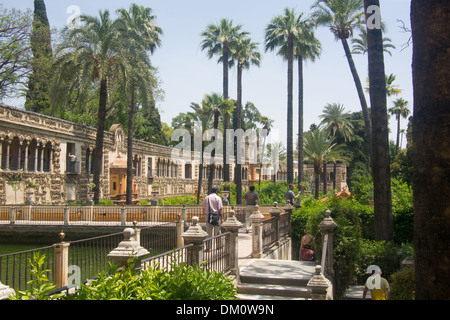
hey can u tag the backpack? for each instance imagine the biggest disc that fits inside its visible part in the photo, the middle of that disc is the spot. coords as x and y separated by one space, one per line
214 217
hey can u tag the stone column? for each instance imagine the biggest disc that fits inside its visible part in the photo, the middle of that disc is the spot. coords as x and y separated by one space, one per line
180 229
327 227
66 215
60 277
275 213
1 159
25 160
256 218
195 235
8 146
232 225
123 216
319 285
36 157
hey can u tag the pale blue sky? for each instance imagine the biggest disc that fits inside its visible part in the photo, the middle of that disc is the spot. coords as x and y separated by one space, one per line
187 74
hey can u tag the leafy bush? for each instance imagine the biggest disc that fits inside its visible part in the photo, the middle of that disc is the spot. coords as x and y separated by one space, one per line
105 202
188 200
402 284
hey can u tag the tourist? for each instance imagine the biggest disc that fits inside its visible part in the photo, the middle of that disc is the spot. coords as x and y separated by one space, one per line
73 159
251 199
290 196
378 286
212 203
306 253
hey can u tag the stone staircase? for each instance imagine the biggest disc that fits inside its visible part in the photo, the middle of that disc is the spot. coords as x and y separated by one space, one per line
267 279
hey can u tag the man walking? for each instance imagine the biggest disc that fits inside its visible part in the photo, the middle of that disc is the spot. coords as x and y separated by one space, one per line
251 199
212 204
290 196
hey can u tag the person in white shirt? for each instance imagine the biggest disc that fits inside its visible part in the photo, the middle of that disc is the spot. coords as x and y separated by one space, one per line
211 203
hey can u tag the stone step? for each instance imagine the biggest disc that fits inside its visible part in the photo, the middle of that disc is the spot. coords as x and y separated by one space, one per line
260 297
256 289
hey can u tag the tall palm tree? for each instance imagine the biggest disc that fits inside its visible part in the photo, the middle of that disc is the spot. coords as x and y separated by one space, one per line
342 17
306 47
244 53
217 106
202 116
282 31
400 110
336 121
93 52
318 147
138 26
384 229
217 40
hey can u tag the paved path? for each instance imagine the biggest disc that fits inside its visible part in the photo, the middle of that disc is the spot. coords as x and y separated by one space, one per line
244 247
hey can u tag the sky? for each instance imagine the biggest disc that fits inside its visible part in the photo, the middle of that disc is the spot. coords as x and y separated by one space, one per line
187 74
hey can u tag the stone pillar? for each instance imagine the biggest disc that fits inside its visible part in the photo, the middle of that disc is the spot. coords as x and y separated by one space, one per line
61 252
8 146
123 216
25 160
232 225
319 285
66 215
128 248
195 235
256 218
180 230
327 227
36 157
1 159
12 215
275 213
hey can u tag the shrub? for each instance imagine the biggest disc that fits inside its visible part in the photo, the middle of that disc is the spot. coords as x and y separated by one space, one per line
402 284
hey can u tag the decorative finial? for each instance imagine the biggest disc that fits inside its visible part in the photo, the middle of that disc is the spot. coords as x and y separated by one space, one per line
62 235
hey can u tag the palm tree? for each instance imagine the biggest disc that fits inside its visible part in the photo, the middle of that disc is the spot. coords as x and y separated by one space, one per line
360 44
217 106
342 17
217 40
282 31
93 52
276 154
336 121
267 125
384 229
202 115
400 110
138 26
318 147
244 53
306 47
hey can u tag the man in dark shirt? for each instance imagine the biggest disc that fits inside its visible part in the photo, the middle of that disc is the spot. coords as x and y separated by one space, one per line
290 196
251 199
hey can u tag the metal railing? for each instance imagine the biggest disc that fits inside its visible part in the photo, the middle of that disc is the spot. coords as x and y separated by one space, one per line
217 254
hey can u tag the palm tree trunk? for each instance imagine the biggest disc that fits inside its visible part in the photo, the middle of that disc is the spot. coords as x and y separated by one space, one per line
431 176
398 135
324 175
300 123
129 192
226 165
316 181
290 120
362 99
98 159
212 165
200 175
238 173
380 136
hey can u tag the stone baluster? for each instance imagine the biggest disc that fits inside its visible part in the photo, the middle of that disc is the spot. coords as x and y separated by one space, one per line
195 236
128 248
327 227
232 225
319 286
61 252
257 242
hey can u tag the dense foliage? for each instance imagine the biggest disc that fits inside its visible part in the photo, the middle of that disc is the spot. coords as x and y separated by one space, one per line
354 246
